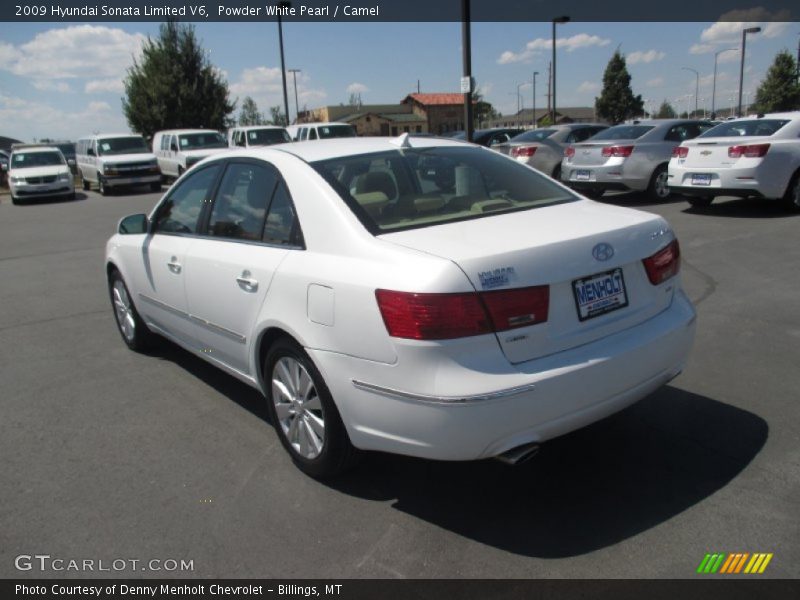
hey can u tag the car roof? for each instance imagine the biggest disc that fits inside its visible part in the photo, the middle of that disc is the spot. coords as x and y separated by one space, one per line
105 136
322 124
28 148
179 131
311 151
251 127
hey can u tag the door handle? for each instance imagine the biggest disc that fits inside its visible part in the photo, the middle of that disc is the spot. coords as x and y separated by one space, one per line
174 265
246 282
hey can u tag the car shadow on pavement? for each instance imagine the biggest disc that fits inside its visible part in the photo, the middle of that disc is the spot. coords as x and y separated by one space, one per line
743 208
50 200
582 492
637 199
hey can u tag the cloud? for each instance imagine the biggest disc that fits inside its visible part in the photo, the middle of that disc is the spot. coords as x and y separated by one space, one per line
357 88
570 44
264 86
75 51
641 56
101 86
730 25
588 87
702 48
46 85
27 120
655 82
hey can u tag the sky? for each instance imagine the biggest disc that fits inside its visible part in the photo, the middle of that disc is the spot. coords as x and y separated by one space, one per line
65 80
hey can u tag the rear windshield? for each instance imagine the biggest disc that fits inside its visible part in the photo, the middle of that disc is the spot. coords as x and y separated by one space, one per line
535 135
122 145
24 160
622 132
207 139
335 131
751 127
266 137
412 188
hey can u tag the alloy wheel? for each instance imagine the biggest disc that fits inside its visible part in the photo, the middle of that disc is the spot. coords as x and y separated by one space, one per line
122 310
298 407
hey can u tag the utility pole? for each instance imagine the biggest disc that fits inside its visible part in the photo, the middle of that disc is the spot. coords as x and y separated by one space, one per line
533 112
281 7
549 85
467 62
294 73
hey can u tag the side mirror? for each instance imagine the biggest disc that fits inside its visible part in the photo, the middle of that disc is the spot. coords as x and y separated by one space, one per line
71 162
174 147
90 151
133 225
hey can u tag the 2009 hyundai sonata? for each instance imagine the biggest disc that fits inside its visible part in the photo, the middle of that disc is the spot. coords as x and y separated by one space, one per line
413 295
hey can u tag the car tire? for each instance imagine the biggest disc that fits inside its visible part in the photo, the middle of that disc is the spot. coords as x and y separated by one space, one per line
130 325
791 199
303 412
700 201
102 186
557 173
72 195
180 172
87 185
593 193
155 186
658 188
15 201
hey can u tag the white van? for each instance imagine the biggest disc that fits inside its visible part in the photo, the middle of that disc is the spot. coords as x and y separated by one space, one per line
116 160
257 135
177 150
324 131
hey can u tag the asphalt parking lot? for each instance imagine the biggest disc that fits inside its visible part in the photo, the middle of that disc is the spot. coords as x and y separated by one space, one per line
106 454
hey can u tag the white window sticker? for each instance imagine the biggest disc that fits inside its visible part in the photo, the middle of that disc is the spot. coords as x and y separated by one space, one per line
105 147
251 135
184 142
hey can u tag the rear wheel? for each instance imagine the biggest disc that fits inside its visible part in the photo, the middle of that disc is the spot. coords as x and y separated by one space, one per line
303 412
134 332
658 188
700 201
791 199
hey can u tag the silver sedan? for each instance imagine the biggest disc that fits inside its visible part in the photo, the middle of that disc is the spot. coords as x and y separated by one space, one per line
633 156
543 149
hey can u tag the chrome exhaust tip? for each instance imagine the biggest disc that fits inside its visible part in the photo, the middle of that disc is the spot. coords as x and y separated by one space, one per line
519 455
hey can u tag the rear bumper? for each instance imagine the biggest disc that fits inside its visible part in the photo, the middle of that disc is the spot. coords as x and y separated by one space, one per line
743 182
610 177
465 412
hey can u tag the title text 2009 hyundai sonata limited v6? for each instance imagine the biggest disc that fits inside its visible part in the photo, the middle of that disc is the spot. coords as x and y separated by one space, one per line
413 295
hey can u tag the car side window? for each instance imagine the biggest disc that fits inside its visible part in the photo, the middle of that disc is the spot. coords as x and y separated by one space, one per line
181 210
241 204
312 134
578 135
282 226
678 133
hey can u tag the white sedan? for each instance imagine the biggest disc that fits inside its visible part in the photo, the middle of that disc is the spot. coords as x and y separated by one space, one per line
753 156
419 296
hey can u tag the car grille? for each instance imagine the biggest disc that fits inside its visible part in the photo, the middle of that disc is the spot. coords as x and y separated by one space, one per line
48 179
134 169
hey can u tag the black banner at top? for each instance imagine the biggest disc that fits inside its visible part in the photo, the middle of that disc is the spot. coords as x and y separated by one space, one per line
396 10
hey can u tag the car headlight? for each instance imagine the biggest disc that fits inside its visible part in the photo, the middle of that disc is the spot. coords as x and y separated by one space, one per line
17 180
64 177
110 170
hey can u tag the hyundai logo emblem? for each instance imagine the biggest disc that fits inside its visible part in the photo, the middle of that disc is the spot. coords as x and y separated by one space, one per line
603 251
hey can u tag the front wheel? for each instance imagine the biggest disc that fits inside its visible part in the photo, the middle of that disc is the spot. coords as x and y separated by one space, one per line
658 188
303 412
85 183
103 185
131 327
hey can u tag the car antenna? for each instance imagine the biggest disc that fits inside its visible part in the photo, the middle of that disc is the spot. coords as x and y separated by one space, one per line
402 141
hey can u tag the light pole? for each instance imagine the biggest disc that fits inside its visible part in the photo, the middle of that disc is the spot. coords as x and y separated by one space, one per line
520 103
294 73
283 6
557 20
466 60
741 66
535 73
714 85
696 87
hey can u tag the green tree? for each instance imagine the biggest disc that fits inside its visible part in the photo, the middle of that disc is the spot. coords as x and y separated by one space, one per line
174 85
780 90
665 111
617 102
249 114
482 110
276 116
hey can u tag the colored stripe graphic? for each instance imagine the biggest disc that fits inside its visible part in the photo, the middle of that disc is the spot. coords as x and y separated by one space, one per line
734 563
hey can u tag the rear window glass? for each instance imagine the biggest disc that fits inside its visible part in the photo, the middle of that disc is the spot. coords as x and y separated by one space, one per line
622 132
535 135
408 189
750 127
335 131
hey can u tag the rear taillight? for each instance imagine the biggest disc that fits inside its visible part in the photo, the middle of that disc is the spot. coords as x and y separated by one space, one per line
509 309
751 151
617 151
446 316
663 264
680 152
523 151
569 152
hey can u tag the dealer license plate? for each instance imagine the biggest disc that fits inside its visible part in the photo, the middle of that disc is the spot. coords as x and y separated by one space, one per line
600 294
701 179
